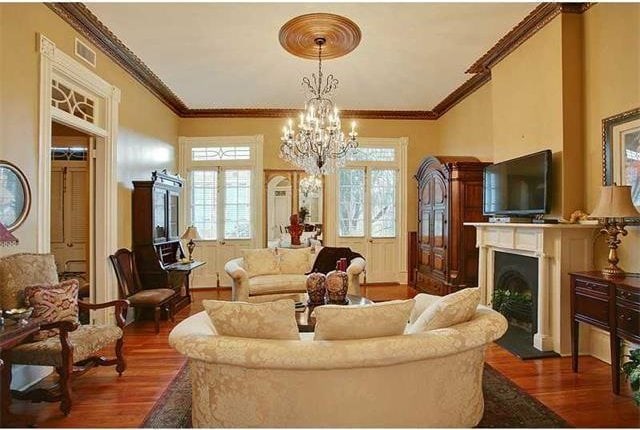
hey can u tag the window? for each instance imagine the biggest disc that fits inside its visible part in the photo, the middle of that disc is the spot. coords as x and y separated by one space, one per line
237 204
383 203
351 212
221 153
371 154
204 202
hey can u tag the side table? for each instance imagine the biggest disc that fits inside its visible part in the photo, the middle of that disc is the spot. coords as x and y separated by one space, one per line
11 334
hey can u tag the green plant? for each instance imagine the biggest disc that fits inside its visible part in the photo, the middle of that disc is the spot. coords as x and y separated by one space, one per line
302 213
631 370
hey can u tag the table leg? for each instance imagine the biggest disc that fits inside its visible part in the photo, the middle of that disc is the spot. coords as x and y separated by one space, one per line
615 362
575 342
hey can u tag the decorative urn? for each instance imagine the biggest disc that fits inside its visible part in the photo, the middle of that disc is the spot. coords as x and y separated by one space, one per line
316 288
337 284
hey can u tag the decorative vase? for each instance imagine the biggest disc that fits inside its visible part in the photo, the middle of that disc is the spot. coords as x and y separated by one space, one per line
337 284
316 288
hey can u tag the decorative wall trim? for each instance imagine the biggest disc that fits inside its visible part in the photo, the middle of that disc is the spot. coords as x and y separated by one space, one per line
530 25
87 24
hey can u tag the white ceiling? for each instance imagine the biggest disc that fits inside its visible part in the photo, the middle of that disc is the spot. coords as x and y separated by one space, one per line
226 55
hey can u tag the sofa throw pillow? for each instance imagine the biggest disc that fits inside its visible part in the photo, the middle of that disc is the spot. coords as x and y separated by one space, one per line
335 322
294 261
269 320
423 301
448 311
53 303
260 262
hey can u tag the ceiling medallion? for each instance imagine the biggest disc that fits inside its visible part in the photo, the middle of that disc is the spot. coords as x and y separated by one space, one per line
317 144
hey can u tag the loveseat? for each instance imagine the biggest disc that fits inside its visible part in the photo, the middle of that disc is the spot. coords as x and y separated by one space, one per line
426 379
272 274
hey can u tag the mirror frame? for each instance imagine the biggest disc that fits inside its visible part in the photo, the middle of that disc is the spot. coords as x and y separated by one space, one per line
294 176
26 191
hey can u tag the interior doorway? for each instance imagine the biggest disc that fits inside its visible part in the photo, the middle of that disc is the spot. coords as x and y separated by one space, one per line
71 202
278 207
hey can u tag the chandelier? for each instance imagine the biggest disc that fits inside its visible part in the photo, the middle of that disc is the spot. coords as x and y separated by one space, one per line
316 143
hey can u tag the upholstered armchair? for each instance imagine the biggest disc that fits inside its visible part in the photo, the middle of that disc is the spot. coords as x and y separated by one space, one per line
73 349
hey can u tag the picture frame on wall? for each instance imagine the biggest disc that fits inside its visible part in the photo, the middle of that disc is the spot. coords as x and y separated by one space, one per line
621 151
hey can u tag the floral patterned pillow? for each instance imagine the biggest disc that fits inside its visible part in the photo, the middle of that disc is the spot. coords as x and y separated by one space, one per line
336 322
448 311
294 261
269 320
53 303
260 262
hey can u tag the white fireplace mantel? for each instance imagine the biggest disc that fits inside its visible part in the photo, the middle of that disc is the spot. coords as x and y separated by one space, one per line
560 249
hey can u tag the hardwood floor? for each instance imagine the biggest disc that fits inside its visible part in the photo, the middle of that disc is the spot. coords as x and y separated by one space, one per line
102 399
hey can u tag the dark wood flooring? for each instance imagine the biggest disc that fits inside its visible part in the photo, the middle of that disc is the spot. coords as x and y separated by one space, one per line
102 399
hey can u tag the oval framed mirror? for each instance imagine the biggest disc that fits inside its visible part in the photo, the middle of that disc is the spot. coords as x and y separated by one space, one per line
15 196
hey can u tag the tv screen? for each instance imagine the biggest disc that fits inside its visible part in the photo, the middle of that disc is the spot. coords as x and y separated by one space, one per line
519 186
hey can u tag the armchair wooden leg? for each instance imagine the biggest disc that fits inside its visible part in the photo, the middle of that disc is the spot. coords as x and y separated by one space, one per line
65 387
121 364
172 312
156 318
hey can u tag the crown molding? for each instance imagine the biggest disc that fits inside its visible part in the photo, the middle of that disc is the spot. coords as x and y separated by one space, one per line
88 25
293 113
530 25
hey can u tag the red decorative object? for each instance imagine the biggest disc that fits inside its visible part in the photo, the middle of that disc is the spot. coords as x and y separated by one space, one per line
295 229
337 284
6 238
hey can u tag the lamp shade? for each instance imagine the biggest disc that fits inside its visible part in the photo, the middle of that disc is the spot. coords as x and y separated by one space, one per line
191 233
6 238
615 202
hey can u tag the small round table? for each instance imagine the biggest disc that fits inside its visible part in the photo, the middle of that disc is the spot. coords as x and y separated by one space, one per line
307 323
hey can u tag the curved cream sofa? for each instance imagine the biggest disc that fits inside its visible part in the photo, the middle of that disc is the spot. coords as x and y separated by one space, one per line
280 286
428 379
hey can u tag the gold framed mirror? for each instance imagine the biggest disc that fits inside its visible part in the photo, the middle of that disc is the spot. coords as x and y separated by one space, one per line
15 196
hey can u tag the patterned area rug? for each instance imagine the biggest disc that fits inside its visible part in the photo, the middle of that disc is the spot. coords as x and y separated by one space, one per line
506 405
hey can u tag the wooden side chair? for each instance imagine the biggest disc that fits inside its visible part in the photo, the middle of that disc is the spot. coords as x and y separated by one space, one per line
124 264
74 349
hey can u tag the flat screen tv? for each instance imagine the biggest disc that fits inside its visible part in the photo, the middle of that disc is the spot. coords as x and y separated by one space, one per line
520 186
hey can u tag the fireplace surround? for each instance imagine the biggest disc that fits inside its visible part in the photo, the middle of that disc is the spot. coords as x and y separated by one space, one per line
557 249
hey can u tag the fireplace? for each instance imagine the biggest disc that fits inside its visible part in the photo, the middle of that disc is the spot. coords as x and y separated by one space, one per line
515 291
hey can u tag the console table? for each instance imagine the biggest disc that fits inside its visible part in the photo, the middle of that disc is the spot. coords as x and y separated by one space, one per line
611 304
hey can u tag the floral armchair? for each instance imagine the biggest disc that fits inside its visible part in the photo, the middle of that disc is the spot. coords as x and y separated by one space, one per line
73 349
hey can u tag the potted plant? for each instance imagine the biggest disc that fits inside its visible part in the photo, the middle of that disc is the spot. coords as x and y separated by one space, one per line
631 370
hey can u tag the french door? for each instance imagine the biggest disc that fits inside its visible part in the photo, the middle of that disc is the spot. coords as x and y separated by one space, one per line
220 207
367 218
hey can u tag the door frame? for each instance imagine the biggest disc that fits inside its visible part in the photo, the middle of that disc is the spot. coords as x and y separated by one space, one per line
331 232
54 63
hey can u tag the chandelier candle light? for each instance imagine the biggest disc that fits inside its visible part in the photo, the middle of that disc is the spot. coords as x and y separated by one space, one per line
317 143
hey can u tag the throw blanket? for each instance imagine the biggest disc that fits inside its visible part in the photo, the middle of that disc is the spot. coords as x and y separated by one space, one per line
328 258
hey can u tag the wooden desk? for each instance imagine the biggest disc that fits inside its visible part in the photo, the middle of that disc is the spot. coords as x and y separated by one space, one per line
11 334
611 304
184 297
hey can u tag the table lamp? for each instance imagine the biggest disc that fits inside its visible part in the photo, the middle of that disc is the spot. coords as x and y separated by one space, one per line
614 206
191 233
6 238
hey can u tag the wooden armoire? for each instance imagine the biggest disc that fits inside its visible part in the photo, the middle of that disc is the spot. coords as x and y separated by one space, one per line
449 194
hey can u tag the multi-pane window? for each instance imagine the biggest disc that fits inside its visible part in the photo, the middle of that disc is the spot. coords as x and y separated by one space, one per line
351 200
383 203
237 204
220 153
204 202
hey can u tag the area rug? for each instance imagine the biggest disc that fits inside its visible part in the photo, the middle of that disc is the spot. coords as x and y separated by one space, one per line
506 405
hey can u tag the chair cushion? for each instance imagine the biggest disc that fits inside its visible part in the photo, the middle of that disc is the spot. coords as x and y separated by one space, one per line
86 341
53 303
336 322
268 284
260 262
150 297
448 311
269 320
20 270
294 261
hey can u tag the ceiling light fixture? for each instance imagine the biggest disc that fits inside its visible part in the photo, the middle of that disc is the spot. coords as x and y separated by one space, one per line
317 143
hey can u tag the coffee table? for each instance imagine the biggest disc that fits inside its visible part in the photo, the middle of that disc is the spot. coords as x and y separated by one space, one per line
307 323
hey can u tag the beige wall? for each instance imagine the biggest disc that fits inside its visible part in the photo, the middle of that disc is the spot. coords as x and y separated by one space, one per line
422 136
148 129
612 86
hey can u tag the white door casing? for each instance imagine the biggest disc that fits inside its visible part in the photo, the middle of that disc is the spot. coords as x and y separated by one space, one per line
57 66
